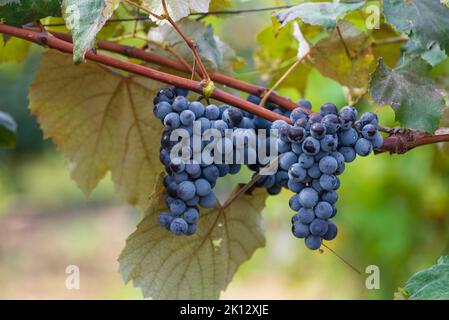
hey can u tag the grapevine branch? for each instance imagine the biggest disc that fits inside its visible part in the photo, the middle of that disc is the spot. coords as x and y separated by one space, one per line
46 39
396 143
217 77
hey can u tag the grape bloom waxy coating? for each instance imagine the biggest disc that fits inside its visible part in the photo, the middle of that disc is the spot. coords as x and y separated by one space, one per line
311 154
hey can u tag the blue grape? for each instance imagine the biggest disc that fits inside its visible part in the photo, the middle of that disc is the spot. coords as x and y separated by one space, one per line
180 104
318 227
348 153
296 134
177 165
172 189
162 109
191 215
348 138
314 172
363 147
254 99
178 226
328 108
197 108
193 202
212 112
165 219
329 143
308 198
328 165
274 190
298 113
294 203
211 173
283 146
329 182
318 130
311 146
369 132
306 216
193 170
330 196
172 121
208 201
300 230
234 168
297 173
331 232
180 177
323 210
191 230
313 242
187 117
305 103
306 161
378 140
181 92
223 169
282 178
295 186
203 187
332 123
286 160
177 207
186 190
316 185
368 118
296 148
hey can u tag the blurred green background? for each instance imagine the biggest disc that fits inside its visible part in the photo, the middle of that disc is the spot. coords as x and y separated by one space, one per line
393 210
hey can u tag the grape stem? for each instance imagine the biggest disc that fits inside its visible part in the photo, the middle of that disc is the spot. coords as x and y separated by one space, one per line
396 143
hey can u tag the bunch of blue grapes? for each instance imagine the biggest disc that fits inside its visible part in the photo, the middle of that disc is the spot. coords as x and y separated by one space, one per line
314 151
190 184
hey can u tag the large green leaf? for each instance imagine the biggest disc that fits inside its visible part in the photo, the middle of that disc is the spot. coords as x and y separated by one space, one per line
166 266
85 18
425 21
318 13
20 12
352 68
101 121
8 131
416 100
177 9
430 284
216 54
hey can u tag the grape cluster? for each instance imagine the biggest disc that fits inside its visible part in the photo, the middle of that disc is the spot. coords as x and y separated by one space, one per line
319 146
189 183
312 152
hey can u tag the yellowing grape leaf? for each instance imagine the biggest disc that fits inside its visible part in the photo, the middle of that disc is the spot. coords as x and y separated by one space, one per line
100 121
166 266
348 62
85 18
176 9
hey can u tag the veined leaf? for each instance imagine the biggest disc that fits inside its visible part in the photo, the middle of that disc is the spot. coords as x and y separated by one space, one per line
177 9
85 18
425 21
347 62
430 284
100 121
8 131
324 14
416 100
166 266
216 54
25 11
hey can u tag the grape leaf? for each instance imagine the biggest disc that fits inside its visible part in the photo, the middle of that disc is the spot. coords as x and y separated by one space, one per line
324 14
215 54
330 58
416 100
219 4
85 18
8 131
276 53
25 11
100 121
165 266
430 284
14 49
425 21
176 9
